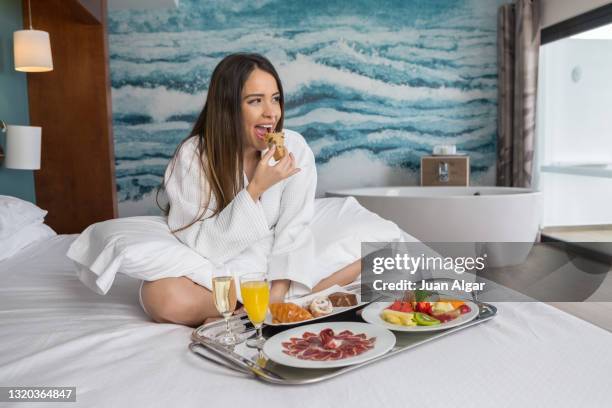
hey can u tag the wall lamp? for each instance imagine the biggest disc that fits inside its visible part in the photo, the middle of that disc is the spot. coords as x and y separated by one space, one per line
22 146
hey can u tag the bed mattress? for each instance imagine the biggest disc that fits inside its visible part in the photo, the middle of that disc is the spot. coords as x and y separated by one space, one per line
56 332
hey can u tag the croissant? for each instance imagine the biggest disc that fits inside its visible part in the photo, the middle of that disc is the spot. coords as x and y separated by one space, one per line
288 313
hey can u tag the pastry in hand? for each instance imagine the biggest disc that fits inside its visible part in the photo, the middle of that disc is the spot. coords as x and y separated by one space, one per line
278 139
321 306
288 313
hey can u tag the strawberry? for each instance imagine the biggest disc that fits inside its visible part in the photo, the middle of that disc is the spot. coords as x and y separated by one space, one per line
464 309
397 305
423 307
406 307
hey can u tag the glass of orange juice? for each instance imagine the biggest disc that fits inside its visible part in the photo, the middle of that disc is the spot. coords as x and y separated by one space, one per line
255 293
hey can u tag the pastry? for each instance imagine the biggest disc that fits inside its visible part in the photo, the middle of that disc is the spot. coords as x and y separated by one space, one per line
278 139
288 313
321 306
341 299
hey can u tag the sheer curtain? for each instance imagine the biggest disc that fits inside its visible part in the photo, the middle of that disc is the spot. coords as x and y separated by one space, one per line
518 47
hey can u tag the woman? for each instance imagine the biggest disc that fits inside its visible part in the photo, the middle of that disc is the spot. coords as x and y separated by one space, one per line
232 203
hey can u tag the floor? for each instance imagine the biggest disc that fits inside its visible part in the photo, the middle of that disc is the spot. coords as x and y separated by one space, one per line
598 313
587 233
567 280
594 311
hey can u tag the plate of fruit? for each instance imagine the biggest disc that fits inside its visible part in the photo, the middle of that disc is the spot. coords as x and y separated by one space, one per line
424 316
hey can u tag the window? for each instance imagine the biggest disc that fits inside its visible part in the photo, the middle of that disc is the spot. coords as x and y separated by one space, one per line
574 123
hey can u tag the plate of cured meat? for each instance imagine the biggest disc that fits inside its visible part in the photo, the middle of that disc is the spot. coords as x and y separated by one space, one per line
329 345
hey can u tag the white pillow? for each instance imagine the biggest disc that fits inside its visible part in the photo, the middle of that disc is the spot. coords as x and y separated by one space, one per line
22 238
340 225
144 248
16 214
140 247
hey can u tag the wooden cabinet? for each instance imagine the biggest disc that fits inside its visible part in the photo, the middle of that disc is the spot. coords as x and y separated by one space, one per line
72 103
445 170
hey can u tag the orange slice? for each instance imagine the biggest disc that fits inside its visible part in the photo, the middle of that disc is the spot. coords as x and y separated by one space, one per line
454 303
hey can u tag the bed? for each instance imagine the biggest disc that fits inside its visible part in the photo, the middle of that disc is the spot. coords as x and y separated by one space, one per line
56 332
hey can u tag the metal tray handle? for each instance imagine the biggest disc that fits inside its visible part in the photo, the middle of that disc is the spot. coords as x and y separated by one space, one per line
239 363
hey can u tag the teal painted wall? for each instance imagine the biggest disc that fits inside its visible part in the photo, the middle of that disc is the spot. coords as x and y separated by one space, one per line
13 100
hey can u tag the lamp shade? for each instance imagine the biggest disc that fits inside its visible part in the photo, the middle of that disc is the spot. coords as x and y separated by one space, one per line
32 51
22 147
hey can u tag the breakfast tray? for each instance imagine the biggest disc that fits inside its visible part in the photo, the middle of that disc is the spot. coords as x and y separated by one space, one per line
252 362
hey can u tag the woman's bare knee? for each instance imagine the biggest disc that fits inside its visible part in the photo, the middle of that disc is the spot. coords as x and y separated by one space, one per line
177 300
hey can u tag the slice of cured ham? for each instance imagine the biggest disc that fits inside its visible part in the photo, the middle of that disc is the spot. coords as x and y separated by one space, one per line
328 345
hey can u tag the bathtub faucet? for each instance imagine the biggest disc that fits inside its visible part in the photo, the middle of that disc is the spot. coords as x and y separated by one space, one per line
443 172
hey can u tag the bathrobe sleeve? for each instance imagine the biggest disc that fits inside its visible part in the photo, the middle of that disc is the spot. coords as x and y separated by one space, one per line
218 238
293 251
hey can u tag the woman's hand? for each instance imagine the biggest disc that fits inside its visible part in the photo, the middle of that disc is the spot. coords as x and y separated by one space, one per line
266 176
278 290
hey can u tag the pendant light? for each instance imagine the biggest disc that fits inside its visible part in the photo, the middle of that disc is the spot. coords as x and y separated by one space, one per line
32 49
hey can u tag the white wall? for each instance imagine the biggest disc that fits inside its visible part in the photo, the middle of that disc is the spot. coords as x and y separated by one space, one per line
555 11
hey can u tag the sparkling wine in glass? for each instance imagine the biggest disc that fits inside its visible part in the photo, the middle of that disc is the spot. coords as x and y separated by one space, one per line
224 294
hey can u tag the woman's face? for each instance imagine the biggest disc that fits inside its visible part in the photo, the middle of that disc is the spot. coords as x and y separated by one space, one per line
261 108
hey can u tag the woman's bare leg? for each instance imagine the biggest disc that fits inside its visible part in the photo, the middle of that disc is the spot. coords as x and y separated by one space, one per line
178 300
342 277
181 301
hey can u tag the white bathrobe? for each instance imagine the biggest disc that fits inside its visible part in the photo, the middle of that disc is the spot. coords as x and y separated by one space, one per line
274 234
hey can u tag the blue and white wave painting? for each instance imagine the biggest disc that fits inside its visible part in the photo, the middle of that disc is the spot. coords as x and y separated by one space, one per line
372 85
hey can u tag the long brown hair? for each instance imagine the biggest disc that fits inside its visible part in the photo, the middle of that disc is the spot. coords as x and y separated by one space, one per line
220 130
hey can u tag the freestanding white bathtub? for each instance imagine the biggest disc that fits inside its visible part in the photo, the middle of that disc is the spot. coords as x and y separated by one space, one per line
457 214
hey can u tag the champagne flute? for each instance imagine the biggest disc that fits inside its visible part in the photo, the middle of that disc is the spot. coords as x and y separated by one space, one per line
224 294
255 297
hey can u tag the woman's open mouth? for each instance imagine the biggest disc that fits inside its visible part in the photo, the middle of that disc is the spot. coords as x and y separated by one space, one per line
261 130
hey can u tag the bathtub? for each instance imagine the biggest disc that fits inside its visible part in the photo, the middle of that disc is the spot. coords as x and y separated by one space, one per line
460 214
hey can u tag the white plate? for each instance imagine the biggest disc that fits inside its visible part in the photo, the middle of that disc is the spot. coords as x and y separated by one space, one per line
371 314
306 300
385 340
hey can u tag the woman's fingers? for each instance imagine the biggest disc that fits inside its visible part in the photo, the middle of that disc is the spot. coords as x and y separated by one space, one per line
266 157
267 175
292 157
289 168
283 164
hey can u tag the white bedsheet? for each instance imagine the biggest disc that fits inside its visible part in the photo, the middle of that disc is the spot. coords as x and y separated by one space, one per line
56 332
